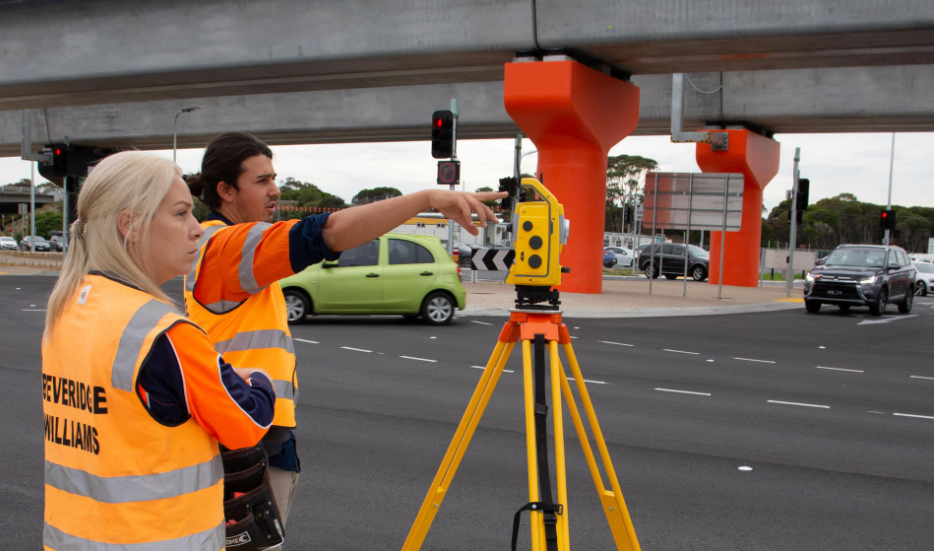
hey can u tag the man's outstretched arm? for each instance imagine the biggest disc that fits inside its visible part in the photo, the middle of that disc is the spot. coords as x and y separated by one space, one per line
355 226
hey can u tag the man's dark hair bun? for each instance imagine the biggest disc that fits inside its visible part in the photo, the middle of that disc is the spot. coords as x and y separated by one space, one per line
195 185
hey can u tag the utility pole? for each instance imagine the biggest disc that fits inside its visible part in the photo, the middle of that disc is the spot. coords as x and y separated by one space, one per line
888 205
790 276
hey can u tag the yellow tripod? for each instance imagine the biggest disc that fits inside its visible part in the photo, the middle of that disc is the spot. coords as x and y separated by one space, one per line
537 328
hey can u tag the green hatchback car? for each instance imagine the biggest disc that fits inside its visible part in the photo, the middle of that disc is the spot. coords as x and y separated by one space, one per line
411 275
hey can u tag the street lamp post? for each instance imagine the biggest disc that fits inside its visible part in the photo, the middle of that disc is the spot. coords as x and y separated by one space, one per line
175 128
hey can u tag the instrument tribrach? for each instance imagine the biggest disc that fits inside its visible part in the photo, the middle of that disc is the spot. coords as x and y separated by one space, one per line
540 231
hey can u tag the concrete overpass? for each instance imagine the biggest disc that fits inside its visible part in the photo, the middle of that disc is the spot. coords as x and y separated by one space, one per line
114 73
800 100
11 197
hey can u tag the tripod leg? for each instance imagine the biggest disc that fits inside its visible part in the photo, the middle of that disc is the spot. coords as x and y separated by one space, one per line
535 518
614 506
465 430
564 540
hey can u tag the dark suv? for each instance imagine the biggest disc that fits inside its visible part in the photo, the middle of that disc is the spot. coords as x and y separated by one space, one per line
862 275
669 261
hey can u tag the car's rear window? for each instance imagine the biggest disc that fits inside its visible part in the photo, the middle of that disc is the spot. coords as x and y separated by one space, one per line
926 268
861 258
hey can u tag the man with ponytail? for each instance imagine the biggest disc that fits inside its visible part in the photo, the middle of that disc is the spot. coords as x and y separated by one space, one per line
135 396
231 289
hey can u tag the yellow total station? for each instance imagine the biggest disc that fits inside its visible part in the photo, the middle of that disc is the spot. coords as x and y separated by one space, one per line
540 231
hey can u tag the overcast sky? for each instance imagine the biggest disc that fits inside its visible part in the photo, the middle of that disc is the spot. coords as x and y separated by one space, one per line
835 163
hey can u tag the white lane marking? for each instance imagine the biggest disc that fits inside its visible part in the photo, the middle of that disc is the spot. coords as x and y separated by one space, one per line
745 468
579 327
419 359
711 361
573 337
305 340
589 381
480 322
356 349
680 351
752 360
481 367
798 404
32 305
30 310
821 347
841 369
682 391
920 377
434 337
870 411
915 416
616 343
886 320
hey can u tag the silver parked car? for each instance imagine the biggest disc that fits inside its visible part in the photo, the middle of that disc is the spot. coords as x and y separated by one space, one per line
624 257
924 279
8 244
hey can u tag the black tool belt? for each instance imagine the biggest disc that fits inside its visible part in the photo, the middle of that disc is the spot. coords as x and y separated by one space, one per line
249 508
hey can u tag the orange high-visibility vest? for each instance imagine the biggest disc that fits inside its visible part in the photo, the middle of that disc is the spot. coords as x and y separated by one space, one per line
114 476
252 333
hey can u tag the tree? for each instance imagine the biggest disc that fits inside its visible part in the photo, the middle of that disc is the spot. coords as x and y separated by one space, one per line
375 194
309 195
622 182
48 221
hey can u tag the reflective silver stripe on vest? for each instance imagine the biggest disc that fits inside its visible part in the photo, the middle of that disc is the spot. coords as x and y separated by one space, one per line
190 279
131 341
285 389
209 540
253 340
222 307
247 277
125 489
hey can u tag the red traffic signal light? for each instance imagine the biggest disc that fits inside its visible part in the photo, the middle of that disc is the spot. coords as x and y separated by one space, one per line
887 220
442 134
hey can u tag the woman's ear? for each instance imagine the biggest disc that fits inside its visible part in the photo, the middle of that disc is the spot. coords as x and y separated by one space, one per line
124 221
225 191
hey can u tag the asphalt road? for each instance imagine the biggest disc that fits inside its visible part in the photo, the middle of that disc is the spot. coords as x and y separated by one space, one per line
833 414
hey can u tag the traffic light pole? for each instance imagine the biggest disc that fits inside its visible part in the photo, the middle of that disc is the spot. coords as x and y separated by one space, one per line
790 276
888 205
451 187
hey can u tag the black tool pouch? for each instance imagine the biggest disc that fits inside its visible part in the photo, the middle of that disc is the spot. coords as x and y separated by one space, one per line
252 517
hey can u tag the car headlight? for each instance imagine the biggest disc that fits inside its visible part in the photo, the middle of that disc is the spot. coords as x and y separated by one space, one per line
867 280
811 277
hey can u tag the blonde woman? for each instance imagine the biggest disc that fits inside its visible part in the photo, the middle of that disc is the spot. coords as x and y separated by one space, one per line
135 396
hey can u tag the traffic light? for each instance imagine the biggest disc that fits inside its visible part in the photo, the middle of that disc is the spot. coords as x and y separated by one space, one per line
74 160
887 220
442 134
801 200
627 215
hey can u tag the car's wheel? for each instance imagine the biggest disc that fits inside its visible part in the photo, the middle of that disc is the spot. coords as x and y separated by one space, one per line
845 307
650 270
438 308
905 306
812 306
671 276
699 273
297 304
877 308
921 289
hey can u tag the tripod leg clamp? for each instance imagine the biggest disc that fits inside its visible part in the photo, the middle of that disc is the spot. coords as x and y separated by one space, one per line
550 510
